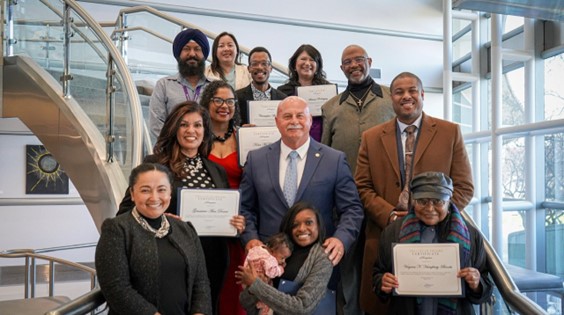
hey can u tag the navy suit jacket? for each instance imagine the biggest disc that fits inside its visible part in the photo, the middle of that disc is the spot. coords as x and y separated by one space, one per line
326 182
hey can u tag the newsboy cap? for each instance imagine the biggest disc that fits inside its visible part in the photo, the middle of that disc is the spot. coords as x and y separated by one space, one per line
431 185
187 35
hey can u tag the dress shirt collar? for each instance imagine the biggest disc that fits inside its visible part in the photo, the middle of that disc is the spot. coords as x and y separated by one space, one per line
416 123
302 151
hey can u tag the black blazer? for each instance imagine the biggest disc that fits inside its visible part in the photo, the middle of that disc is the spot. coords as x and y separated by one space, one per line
217 174
246 94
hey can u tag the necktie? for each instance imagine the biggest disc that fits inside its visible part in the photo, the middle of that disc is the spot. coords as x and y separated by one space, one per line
291 179
409 144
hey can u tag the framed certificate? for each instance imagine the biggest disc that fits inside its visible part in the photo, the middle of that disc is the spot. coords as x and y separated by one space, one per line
251 138
262 113
209 210
427 269
316 95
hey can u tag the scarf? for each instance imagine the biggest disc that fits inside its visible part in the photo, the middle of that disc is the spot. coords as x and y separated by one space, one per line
457 232
160 233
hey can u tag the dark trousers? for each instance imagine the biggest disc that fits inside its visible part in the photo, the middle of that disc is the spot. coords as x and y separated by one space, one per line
348 291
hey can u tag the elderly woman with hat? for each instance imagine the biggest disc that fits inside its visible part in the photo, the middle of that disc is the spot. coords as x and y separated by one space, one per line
432 218
190 49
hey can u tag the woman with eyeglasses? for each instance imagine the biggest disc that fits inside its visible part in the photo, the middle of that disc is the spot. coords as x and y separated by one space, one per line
220 100
226 65
183 146
305 68
432 218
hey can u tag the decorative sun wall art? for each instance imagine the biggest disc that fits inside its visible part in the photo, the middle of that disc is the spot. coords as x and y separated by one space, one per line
43 173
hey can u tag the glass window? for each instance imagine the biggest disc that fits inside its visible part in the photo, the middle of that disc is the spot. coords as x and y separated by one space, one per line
513 169
462 46
554 167
462 109
512 22
553 88
555 241
514 238
513 98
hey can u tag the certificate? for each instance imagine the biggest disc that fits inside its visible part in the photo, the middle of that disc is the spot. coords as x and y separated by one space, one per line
262 113
209 210
427 269
317 95
251 138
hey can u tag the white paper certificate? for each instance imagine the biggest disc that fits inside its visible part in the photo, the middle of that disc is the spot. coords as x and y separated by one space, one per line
317 95
209 210
262 113
250 138
427 269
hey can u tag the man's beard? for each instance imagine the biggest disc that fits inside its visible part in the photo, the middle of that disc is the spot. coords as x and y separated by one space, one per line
187 70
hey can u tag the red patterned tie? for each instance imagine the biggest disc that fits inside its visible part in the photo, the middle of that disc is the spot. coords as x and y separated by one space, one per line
409 142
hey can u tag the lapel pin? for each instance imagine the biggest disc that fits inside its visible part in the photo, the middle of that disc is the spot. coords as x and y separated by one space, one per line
317 155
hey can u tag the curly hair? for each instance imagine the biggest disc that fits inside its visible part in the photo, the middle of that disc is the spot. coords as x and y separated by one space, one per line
215 61
319 76
168 150
209 93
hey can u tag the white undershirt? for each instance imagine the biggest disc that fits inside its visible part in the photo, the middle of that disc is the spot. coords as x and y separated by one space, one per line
285 159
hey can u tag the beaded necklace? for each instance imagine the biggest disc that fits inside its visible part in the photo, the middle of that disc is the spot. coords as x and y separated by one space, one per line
226 135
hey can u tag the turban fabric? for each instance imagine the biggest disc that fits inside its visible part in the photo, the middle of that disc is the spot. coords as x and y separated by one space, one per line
187 35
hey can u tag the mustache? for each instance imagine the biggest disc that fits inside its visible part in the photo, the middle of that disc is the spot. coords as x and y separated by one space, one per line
290 127
192 58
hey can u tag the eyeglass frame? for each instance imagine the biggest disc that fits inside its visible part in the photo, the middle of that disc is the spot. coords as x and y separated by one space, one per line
263 64
225 101
357 60
424 202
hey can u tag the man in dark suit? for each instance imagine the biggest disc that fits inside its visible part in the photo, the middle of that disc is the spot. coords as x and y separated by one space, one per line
323 178
381 173
260 67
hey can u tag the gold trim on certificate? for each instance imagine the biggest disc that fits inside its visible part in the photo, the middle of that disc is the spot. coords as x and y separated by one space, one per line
427 269
251 138
209 210
262 113
316 96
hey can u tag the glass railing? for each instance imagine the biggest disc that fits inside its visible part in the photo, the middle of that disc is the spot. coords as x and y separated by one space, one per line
144 37
62 38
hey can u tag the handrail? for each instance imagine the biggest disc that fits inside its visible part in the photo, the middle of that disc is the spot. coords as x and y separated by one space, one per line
31 269
127 79
511 294
138 9
49 249
81 305
115 57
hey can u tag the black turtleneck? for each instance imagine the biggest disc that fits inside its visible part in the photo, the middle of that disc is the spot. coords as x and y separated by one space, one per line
359 90
295 261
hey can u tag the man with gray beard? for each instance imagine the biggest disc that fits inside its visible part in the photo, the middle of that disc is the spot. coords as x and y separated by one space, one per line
191 49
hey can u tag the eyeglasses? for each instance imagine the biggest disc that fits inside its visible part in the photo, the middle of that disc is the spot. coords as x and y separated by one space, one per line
359 59
263 64
426 201
218 101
